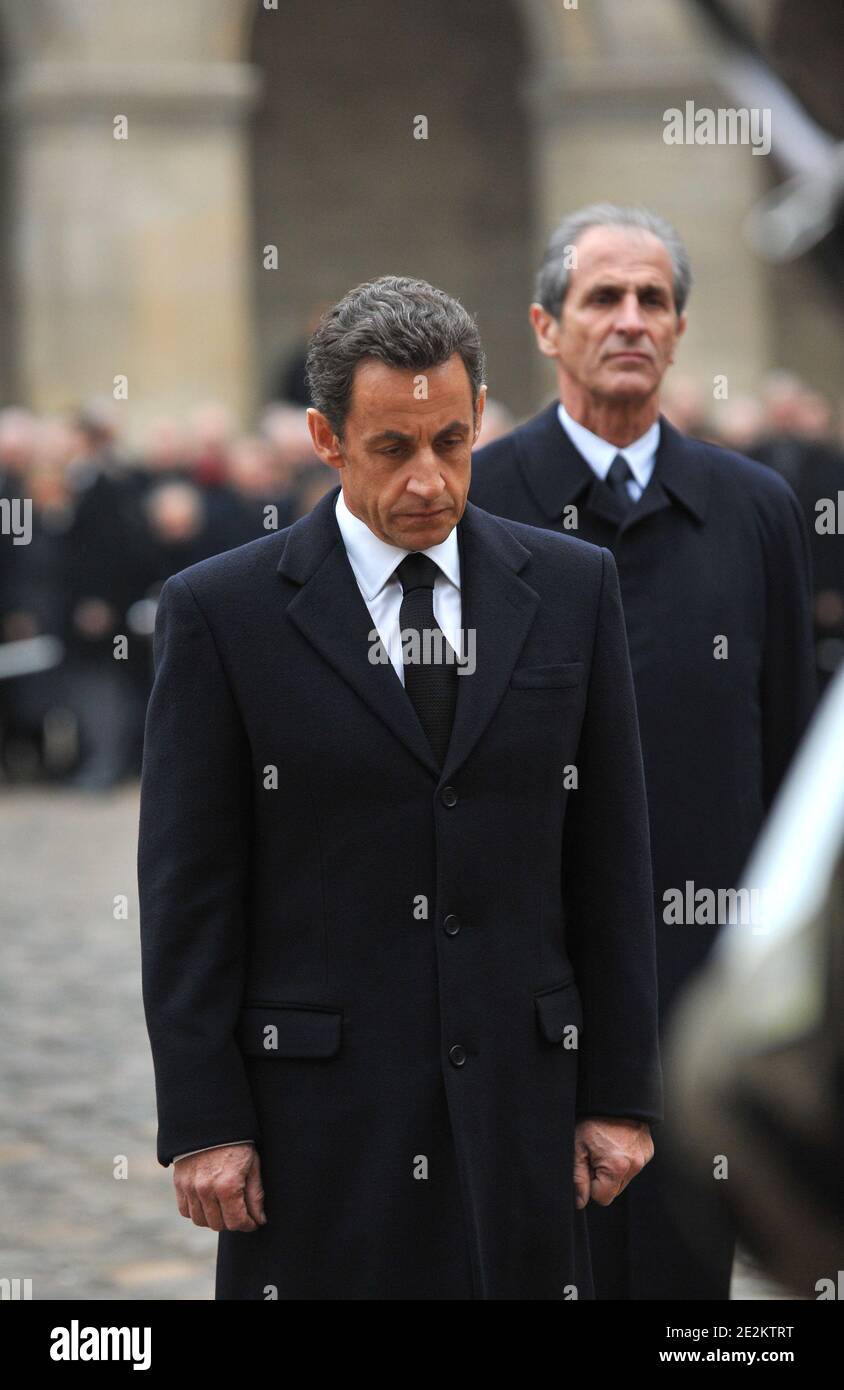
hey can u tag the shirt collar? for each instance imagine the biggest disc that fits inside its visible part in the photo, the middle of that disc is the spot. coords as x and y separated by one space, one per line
374 560
599 453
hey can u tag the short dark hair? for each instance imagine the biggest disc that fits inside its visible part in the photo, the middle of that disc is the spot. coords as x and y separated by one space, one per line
397 320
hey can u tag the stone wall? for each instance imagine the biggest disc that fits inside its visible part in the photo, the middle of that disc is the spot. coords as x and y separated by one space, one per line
250 126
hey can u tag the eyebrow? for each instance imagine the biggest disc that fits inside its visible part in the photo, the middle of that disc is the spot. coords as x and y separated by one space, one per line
397 437
602 287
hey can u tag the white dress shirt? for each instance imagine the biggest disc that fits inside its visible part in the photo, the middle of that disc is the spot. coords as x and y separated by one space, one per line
599 454
373 562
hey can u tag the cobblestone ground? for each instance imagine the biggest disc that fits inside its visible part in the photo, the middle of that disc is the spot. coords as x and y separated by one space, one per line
77 1076
76 1086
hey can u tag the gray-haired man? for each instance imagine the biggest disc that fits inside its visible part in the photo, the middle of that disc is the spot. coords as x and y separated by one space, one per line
713 563
398 963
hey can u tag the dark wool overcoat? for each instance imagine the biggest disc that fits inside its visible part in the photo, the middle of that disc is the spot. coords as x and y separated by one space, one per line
714 549
404 981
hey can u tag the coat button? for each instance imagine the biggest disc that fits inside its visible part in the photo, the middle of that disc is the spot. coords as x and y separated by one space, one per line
449 796
457 1055
451 925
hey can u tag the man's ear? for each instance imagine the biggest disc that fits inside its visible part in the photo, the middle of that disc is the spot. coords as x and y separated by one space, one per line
479 413
681 328
547 330
325 441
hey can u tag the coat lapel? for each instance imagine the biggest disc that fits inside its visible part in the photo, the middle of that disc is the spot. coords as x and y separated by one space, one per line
554 472
499 608
557 475
682 473
330 612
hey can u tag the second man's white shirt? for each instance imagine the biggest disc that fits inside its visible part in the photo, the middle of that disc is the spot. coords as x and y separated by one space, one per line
599 454
373 562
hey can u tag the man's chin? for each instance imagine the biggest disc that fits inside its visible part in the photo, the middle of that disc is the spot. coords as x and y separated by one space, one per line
627 387
421 532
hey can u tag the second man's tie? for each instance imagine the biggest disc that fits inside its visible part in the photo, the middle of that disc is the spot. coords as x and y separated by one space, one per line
617 478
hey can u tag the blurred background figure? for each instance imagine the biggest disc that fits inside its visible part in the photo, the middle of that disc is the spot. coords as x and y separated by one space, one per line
109 526
685 405
285 428
310 483
756 1052
36 730
17 446
291 385
783 443
796 438
260 486
211 429
740 423
176 521
165 450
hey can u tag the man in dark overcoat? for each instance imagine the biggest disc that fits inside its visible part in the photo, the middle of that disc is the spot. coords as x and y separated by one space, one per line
713 565
395 883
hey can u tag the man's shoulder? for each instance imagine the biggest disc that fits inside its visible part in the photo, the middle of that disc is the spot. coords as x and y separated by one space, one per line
499 453
547 547
232 570
733 470
498 469
747 489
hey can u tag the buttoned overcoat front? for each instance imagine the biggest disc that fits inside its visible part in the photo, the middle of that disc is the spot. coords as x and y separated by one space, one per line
404 981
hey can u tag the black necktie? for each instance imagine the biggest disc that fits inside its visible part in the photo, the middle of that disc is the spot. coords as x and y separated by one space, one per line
617 480
429 679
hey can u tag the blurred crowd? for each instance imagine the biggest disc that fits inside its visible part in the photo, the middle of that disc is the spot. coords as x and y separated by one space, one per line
796 430
109 526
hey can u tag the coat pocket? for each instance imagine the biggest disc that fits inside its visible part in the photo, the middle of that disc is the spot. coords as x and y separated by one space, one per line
559 1014
536 677
289 1030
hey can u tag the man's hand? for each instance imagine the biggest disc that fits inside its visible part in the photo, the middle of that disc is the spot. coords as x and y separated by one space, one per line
607 1154
222 1188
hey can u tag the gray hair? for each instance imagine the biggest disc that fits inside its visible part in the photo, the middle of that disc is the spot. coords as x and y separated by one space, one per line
400 321
552 280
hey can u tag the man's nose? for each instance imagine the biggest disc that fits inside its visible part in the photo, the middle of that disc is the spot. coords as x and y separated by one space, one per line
630 318
426 479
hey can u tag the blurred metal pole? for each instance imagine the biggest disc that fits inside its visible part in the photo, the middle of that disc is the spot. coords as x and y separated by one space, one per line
795 217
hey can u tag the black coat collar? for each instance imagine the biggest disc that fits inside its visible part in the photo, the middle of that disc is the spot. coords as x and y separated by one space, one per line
330 611
557 475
